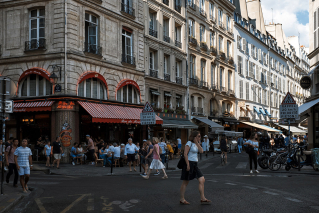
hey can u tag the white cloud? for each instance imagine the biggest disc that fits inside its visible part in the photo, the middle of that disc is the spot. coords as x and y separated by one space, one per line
285 12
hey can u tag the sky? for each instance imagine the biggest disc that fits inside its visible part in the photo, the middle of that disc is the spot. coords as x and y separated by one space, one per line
292 14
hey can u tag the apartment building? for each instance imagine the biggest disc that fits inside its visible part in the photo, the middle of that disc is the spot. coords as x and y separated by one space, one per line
211 63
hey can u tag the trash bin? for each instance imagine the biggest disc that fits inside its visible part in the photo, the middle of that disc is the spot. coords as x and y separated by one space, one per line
315 158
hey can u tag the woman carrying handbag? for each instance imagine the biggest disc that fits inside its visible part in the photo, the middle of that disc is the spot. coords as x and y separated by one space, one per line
252 149
190 169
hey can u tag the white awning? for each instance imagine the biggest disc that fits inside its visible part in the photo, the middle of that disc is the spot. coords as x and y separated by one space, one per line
168 94
307 106
156 93
262 127
294 130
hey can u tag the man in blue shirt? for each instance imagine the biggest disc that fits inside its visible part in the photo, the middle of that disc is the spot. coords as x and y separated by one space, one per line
129 153
287 140
162 144
240 144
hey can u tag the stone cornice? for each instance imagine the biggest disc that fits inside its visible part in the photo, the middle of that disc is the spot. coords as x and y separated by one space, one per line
313 53
164 8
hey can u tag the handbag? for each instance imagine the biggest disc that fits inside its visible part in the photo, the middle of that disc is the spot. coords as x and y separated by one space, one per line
181 163
249 149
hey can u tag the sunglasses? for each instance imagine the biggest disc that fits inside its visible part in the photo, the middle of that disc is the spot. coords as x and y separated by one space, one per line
198 136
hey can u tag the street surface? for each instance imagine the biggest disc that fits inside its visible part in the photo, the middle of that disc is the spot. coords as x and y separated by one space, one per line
230 187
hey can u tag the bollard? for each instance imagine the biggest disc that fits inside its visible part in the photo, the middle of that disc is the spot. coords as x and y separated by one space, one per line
140 162
112 163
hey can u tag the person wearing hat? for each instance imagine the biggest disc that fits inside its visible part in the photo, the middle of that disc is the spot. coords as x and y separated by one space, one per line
205 144
90 150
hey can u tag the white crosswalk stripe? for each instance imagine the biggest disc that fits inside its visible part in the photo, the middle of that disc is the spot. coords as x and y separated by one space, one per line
232 184
271 193
293 199
249 187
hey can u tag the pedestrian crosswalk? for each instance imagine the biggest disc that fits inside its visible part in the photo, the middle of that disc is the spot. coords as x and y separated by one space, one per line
237 165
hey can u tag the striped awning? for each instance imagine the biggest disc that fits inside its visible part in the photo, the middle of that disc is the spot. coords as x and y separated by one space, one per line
33 106
104 113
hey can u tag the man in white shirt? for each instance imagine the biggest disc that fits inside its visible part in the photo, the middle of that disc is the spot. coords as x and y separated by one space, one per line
116 151
179 143
129 153
205 144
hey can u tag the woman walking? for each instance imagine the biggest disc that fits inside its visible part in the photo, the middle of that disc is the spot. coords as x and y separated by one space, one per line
223 148
47 152
156 163
253 148
191 170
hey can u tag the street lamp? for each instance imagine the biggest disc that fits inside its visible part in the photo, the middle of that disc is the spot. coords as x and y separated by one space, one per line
54 77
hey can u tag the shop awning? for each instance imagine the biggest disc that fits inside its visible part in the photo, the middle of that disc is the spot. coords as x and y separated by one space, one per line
210 123
269 129
247 107
180 124
294 130
262 111
230 120
306 106
103 113
33 106
257 110
267 113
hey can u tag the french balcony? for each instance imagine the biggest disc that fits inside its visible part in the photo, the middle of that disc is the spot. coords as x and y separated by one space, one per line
153 33
222 55
200 110
213 19
128 59
153 73
35 45
193 109
179 80
127 9
167 77
221 25
222 89
231 60
203 46
93 48
191 5
166 2
230 31
178 44
178 8
213 51
203 84
231 92
193 82
193 41
202 12
214 87
167 39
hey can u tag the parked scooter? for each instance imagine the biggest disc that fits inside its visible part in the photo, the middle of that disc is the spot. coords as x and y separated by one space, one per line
292 161
263 158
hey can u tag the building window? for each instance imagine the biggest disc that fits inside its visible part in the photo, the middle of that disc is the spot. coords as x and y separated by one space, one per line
203 71
228 49
191 28
91 33
228 23
202 33
127 46
178 69
230 80
221 73
211 11
212 74
35 85
154 98
92 88
192 66
240 65
202 5
241 90
221 46
178 101
166 30
247 91
166 64
167 100
220 17
37 28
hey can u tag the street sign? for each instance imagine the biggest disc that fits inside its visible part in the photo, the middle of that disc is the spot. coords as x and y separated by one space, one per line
8 106
288 108
148 116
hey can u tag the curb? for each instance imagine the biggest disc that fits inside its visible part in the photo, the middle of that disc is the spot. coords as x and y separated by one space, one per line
10 206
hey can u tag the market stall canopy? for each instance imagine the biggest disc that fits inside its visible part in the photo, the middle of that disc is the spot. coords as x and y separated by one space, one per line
180 124
210 123
267 113
33 106
294 130
308 105
262 111
257 110
104 113
269 129
229 133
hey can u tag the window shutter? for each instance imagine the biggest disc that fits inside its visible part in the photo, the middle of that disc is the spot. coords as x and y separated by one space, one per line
241 66
247 91
247 66
241 89
268 78
259 54
247 48
252 49
244 45
238 41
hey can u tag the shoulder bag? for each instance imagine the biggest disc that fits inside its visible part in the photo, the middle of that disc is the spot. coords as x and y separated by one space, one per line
181 163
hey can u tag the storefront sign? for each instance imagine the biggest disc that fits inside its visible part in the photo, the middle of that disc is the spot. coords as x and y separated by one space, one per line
66 105
65 135
148 116
305 82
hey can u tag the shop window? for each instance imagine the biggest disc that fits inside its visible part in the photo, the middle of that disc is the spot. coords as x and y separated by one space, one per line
92 88
128 94
35 85
154 99
167 100
178 101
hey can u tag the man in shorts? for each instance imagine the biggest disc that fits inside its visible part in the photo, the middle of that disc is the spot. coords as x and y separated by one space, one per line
74 154
23 160
57 150
149 156
129 153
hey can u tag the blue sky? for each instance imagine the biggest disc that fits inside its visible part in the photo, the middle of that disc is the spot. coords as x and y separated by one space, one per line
303 17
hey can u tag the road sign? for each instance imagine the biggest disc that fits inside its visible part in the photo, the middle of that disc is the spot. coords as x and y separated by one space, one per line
148 116
289 108
8 106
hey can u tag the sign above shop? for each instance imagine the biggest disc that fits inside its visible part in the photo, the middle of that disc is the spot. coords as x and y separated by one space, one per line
148 115
67 105
288 108
305 82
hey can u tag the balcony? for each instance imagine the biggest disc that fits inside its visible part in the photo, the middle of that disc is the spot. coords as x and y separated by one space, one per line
128 59
127 9
222 89
193 109
35 45
213 51
231 92
230 31
193 82
167 39
191 5
222 55
178 44
212 19
167 77
178 8
230 60
166 2
179 80
202 12
213 87
193 41
203 46
221 25
153 73
153 33
92 48
200 110
203 84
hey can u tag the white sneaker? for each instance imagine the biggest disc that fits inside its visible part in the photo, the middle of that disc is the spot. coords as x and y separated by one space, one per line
251 171
157 173
257 171
103 166
73 163
93 163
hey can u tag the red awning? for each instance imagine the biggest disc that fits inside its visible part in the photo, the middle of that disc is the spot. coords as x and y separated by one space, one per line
33 106
103 113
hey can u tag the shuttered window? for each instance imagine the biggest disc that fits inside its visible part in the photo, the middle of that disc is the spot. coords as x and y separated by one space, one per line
241 90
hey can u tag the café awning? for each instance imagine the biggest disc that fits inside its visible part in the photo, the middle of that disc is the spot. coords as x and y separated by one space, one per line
267 113
262 111
269 129
294 130
210 123
33 106
257 110
180 124
104 113
308 105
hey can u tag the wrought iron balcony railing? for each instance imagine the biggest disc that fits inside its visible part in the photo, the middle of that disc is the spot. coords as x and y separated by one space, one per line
222 89
193 109
179 80
213 51
167 77
178 44
204 84
127 9
200 110
213 87
202 12
203 46
193 82
167 39
193 40
153 73
191 5
128 59
35 45
153 32
92 48
166 2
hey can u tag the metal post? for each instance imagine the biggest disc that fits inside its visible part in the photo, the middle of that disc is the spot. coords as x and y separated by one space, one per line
112 163
166 158
140 162
3 131
299 153
289 135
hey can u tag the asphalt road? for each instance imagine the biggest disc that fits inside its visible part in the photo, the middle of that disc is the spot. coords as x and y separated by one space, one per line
231 188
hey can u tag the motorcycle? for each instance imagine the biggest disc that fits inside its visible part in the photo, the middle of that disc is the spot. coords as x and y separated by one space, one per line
263 158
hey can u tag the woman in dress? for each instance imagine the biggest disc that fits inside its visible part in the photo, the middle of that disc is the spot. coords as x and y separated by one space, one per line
157 161
253 144
191 170
223 147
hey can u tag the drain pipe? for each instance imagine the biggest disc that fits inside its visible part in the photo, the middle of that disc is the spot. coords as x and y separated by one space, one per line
65 45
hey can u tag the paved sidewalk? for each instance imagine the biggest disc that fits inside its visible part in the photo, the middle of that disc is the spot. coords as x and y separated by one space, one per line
11 196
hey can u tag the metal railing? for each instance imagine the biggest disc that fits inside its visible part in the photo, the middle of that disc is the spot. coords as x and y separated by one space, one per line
153 32
166 2
35 45
128 59
167 77
193 40
200 110
213 87
193 109
193 82
213 18
202 12
153 73
127 9
231 92
179 80
178 44
222 89
221 24
191 5
167 39
204 84
92 48
213 51
203 45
